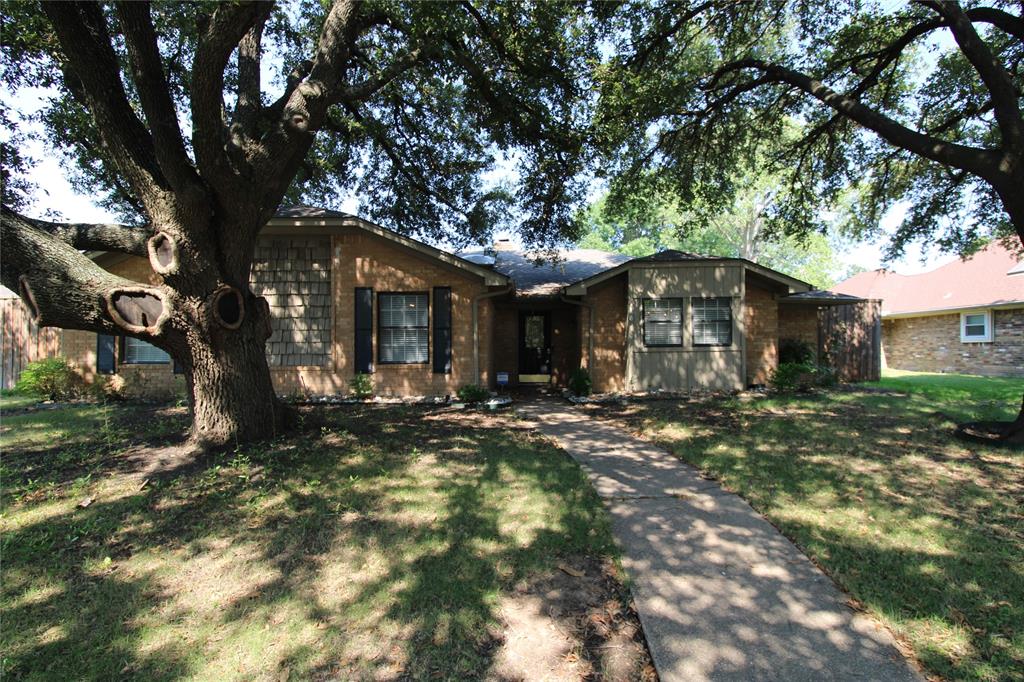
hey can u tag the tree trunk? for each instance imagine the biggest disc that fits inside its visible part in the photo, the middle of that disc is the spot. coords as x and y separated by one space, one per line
231 395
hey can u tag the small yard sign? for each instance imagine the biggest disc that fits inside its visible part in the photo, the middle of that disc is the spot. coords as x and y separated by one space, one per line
503 378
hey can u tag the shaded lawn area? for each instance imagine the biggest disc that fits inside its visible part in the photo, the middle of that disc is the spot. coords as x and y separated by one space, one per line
379 543
924 531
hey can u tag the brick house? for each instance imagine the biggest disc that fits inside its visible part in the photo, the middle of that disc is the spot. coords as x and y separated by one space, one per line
349 297
965 317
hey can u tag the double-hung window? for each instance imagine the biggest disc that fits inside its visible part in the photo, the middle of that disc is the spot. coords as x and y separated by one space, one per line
712 321
403 329
138 352
976 327
663 322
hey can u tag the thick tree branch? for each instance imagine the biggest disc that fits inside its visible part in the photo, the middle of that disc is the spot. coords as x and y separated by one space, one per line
129 239
982 162
155 94
249 57
82 31
373 84
1005 98
228 24
63 287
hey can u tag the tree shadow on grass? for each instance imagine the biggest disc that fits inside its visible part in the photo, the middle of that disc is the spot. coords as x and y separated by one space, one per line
922 529
375 545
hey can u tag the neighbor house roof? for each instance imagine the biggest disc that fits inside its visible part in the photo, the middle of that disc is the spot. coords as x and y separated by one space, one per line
536 277
991 277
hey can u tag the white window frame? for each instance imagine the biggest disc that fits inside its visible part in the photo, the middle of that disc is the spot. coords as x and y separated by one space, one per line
986 337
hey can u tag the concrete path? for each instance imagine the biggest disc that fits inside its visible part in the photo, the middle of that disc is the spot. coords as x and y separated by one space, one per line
722 595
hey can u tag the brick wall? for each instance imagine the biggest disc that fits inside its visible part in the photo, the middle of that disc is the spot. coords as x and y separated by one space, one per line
353 259
800 323
761 319
932 344
294 275
608 301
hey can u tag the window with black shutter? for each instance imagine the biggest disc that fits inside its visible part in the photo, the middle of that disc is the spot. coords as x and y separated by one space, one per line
442 330
364 330
402 329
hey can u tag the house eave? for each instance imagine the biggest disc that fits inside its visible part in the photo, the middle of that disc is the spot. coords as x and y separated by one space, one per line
999 305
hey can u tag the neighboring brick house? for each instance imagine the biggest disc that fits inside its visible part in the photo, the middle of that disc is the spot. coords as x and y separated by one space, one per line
349 297
964 317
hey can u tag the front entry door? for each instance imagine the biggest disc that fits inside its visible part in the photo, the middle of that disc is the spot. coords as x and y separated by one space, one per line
534 348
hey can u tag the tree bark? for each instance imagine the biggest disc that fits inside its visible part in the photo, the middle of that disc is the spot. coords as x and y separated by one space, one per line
231 394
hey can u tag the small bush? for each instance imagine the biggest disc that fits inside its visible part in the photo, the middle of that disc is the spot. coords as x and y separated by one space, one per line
801 376
580 383
361 385
472 393
51 379
795 352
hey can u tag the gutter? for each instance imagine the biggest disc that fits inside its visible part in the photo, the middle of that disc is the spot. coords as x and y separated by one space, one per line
590 329
476 325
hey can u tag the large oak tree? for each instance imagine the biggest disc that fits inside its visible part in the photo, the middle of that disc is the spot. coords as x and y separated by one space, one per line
163 114
914 102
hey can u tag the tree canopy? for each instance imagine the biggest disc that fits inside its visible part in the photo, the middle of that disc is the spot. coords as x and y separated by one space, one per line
916 102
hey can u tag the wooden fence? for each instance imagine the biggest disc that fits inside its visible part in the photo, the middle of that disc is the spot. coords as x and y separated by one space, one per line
850 340
23 341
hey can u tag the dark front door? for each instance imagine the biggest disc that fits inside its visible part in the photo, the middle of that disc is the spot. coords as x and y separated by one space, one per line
534 347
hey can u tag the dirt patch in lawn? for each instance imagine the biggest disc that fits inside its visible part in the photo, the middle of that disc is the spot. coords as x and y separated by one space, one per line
572 623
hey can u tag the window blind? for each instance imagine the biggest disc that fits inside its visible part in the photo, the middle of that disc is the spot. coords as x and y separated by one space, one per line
403 320
663 322
712 321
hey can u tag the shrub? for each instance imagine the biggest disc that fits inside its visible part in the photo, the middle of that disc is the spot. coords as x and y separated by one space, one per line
52 379
472 393
361 385
801 376
795 352
579 382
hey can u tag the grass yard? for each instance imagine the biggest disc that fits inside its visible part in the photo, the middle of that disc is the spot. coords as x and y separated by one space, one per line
379 543
924 531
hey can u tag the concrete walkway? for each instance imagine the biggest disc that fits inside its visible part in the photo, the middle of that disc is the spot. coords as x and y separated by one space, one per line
722 595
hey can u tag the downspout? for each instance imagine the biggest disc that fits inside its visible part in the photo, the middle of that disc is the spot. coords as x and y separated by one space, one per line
590 329
476 326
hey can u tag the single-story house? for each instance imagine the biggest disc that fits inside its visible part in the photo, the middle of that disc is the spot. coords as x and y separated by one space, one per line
348 296
965 317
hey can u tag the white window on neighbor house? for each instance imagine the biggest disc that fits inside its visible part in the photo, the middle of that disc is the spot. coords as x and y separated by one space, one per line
138 352
976 327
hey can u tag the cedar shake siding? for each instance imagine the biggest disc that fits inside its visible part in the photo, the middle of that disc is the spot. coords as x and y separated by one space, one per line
932 344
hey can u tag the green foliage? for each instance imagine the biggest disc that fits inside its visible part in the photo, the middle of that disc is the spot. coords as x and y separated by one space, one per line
580 382
361 385
688 111
473 393
51 379
738 232
801 376
504 85
795 351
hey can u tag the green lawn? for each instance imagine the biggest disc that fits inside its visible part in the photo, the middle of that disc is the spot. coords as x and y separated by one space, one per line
379 543
924 531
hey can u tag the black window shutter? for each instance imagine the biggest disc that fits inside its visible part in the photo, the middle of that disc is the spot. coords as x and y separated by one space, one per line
364 330
442 330
105 360
121 353
178 368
